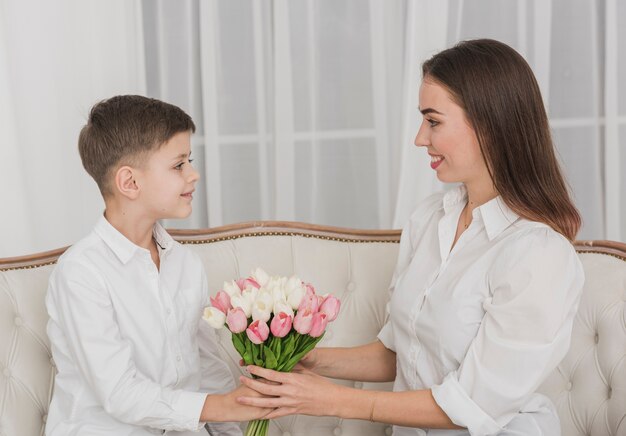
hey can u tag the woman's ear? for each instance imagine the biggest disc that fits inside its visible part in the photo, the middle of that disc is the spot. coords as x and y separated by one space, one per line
125 182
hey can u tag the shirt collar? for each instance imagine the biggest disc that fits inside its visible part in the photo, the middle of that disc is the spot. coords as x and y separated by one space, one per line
496 215
163 239
123 248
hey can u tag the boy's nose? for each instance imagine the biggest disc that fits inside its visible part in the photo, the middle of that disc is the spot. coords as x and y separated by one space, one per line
194 175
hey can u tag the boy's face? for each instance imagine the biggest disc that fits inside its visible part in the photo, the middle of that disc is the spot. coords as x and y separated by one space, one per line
168 180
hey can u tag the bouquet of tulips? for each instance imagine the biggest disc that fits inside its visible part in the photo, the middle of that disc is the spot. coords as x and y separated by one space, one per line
274 322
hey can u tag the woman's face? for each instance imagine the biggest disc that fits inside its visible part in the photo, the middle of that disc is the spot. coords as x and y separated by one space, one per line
449 139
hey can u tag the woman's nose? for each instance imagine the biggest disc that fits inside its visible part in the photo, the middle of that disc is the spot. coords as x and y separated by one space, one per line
421 138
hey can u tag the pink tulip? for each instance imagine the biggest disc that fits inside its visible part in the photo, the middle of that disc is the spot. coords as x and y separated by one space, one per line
247 282
281 325
236 320
221 301
303 321
309 302
258 332
251 282
330 307
318 324
240 284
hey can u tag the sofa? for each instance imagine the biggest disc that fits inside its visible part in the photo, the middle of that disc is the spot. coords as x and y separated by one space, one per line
588 387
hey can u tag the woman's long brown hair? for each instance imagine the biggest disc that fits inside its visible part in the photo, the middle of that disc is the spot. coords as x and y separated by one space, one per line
502 102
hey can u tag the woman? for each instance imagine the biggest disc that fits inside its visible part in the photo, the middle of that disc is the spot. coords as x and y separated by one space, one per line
487 282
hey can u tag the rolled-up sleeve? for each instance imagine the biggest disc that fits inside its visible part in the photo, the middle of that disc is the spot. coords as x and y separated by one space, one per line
82 307
535 289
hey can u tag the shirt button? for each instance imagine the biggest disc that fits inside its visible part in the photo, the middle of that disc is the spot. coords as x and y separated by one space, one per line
178 358
351 286
358 385
169 311
337 431
388 431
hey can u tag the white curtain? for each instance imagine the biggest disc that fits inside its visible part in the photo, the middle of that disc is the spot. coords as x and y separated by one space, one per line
56 60
306 110
309 108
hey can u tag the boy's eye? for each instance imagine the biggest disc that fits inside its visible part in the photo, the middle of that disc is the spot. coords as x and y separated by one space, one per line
180 165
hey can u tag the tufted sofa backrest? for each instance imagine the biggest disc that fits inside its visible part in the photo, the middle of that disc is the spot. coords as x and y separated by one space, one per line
589 387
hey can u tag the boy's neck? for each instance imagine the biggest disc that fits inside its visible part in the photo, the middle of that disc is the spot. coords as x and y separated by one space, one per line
135 228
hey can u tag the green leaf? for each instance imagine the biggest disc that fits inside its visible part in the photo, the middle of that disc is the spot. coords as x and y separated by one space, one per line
270 358
238 344
247 357
307 344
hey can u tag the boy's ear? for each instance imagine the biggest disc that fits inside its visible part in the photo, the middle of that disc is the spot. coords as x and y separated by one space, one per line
125 182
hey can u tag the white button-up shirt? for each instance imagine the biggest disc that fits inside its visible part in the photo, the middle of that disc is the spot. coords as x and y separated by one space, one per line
483 324
132 354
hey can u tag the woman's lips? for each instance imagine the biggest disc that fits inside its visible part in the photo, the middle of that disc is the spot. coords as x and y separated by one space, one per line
435 161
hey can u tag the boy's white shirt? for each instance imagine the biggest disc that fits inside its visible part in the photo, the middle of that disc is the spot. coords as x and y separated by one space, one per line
133 356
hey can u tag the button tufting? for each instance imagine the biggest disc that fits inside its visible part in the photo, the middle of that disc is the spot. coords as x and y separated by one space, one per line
388 431
351 286
596 338
609 393
569 386
18 321
44 418
286 433
7 372
337 431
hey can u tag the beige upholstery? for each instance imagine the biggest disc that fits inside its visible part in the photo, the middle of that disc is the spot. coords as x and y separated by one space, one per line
589 387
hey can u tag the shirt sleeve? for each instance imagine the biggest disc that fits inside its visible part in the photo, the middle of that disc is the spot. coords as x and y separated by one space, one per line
81 305
535 288
216 377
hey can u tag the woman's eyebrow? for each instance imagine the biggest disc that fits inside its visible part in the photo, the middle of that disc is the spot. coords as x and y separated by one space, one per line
430 110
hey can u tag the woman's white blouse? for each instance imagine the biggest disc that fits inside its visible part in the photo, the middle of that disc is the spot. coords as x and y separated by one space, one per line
483 324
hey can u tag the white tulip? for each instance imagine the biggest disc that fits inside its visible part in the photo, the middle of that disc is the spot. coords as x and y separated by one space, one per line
295 296
282 306
260 276
262 307
292 284
231 288
214 317
245 301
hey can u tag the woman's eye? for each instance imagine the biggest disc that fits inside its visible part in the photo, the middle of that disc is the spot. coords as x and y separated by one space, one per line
432 122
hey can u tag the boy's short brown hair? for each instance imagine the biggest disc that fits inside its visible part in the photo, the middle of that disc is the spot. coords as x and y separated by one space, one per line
123 130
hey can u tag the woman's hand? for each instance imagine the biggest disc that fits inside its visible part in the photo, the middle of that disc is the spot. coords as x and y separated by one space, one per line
299 392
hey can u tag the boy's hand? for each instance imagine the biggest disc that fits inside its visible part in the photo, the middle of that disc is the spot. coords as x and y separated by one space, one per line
225 408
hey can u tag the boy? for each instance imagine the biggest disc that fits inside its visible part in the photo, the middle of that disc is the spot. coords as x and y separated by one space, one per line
132 354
